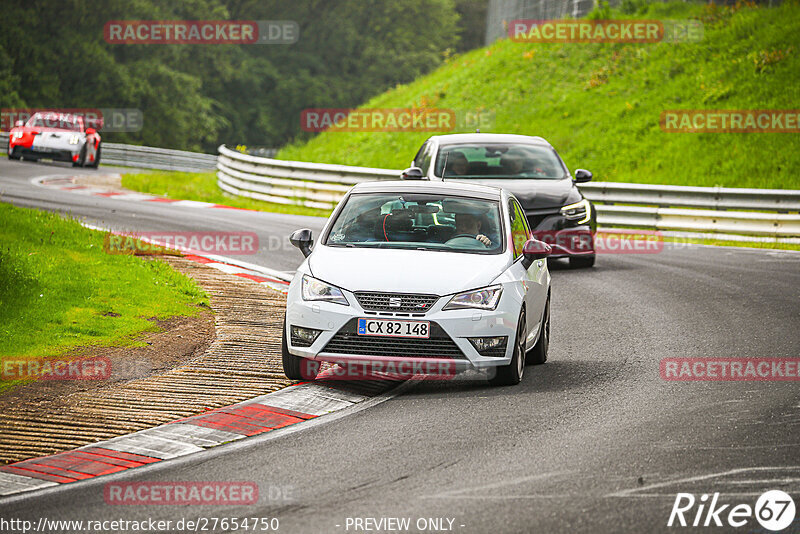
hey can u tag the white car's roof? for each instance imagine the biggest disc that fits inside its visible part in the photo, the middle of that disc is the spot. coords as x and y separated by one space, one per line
55 115
424 186
457 139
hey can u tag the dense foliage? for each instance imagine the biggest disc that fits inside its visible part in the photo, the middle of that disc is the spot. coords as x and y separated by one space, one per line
53 54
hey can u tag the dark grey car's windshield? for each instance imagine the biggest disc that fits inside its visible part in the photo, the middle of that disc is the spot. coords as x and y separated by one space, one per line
418 221
499 160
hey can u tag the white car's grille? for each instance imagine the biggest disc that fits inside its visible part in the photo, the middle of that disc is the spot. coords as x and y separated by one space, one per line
396 302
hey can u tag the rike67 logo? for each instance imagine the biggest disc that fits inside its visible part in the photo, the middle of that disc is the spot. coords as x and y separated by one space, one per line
774 510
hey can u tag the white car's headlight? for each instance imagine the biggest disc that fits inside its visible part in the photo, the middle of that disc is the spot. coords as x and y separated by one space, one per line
74 139
18 135
482 299
580 211
314 289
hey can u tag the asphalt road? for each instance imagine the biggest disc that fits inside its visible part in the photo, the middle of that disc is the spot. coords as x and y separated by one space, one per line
593 441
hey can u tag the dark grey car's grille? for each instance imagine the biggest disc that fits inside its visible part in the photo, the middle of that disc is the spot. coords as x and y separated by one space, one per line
408 303
439 345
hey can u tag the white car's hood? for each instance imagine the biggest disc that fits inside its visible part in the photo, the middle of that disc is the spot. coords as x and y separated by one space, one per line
405 271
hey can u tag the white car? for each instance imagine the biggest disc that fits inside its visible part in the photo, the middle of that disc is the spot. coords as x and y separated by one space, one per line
420 277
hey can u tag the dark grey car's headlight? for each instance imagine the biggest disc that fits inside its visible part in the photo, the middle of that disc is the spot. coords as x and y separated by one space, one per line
579 212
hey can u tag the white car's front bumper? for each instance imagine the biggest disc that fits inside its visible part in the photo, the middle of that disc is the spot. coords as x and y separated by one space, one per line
457 325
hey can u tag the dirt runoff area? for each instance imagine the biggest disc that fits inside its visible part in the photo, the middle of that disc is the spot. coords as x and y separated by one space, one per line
193 365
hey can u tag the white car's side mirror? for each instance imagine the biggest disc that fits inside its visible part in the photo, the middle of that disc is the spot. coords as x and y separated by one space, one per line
302 240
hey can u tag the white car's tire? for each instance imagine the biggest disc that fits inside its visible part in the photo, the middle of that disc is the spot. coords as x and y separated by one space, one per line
295 367
511 374
81 159
12 152
538 354
96 161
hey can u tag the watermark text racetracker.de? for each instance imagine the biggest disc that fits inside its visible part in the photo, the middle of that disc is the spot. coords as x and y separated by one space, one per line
94 368
103 119
395 120
408 369
605 31
166 243
730 369
181 493
608 241
201 32
730 121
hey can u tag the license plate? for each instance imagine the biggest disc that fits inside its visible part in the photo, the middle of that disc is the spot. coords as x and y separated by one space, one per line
392 328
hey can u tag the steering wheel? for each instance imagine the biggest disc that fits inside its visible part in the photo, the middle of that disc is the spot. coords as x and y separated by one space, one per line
473 242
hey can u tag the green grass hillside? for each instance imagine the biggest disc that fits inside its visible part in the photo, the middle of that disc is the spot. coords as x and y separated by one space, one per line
599 104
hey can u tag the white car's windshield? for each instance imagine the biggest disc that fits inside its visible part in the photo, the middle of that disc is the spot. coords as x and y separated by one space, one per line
57 121
499 160
418 221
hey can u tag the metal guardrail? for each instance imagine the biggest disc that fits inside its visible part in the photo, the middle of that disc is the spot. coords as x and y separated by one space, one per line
319 185
145 157
717 198
316 185
657 207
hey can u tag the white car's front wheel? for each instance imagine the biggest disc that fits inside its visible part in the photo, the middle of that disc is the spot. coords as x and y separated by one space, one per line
538 354
81 159
511 374
295 367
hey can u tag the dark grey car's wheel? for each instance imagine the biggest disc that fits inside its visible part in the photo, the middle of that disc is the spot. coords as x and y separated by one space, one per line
581 262
295 367
511 374
538 354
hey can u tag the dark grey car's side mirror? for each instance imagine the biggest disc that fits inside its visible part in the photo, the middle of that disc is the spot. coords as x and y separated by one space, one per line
582 175
302 240
412 173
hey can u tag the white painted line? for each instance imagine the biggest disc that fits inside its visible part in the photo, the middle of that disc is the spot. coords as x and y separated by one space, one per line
322 390
484 489
11 483
192 204
225 268
152 446
280 288
133 196
272 273
192 434
306 400
641 492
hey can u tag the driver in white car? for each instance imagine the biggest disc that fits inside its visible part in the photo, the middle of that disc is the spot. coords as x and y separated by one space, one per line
466 223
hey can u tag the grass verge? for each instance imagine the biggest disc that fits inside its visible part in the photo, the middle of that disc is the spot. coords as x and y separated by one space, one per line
60 290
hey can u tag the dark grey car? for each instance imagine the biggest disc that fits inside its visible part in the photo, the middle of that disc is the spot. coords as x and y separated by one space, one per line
531 169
